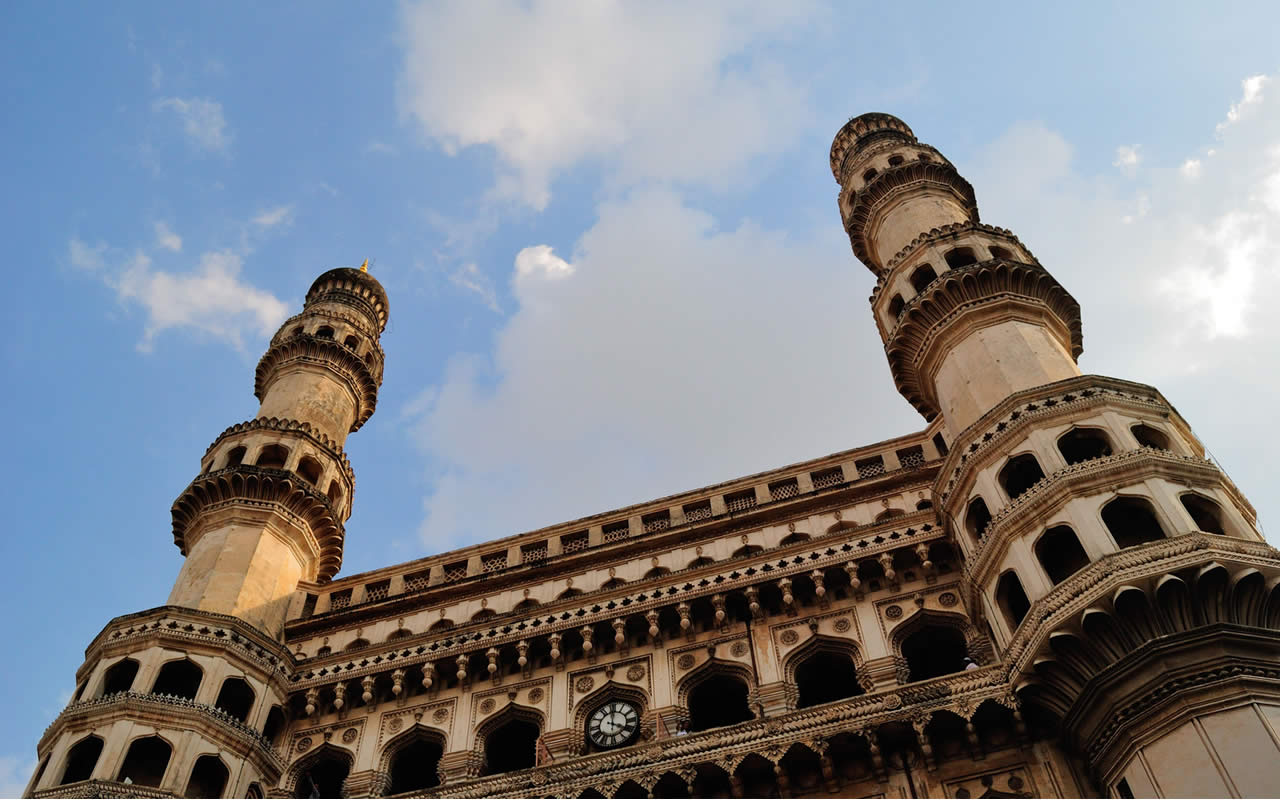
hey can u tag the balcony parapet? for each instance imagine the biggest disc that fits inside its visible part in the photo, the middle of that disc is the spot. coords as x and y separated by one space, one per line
100 788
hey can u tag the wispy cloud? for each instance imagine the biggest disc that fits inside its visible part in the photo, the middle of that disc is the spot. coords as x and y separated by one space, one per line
381 147
271 217
1127 158
202 120
470 278
166 239
1251 95
86 256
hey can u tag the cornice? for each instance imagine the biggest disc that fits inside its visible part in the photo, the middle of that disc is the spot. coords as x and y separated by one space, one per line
889 186
101 788
302 429
354 287
935 235
330 355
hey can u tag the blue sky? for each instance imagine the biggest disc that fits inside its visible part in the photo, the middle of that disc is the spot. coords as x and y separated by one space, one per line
610 240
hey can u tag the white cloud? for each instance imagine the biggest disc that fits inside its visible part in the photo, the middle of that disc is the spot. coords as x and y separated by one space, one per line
167 239
1251 96
470 278
88 257
202 120
1190 168
15 772
1127 158
675 355
653 91
280 215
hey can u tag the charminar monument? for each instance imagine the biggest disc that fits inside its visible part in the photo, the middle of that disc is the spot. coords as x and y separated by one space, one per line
1047 591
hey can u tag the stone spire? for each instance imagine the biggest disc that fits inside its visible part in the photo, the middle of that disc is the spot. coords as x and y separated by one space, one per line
967 314
268 507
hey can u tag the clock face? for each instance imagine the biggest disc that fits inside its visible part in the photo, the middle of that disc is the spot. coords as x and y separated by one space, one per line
613 724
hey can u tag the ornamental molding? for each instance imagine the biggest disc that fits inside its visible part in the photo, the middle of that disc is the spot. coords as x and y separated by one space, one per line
860 132
327 354
425 714
888 187
935 235
618 673
353 287
455 642
101 788
358 321
302 429
909 603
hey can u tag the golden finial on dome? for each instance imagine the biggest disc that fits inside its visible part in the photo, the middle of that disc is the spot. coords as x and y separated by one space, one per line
365 266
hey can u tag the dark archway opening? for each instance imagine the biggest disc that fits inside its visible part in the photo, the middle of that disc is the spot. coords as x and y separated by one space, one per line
416 766
208 778
178 678
1148 436
922 277
826 676
146 762
324 778
718 701
273 456
512 746
1012 599
934 650
274 726
1060 553
961 257
235 698
1132 521
1020 474
977 518
1205 513
1083 444
81 760
119 677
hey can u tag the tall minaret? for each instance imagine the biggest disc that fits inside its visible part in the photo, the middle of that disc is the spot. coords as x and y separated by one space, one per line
268 507
1133 602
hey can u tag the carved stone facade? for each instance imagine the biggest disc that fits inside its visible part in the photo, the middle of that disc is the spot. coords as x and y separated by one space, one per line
1048 591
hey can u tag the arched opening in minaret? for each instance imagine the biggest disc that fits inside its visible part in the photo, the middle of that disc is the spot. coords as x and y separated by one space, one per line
235 456
961 257
827 673
274 456
924 505
934 650
274 726
977 518
1020 474
146 762
718 700
896 160
119 676
1132 521
81 759
254 792
310 470
1083 444
922 277
208 778
869 174
179 678
1060 553
1000 252
415 764
335 492
352 342
236 698
896 305
511 746
1148 436
1206 514
1012 599
324 332
324 777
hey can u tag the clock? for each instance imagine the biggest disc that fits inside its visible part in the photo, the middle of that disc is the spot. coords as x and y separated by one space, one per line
613 724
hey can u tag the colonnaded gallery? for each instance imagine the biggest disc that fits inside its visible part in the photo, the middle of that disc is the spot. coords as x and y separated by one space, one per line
1047 591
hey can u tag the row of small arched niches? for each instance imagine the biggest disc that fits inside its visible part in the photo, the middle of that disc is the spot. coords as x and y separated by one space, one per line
276 456
145 764
925 274
349 340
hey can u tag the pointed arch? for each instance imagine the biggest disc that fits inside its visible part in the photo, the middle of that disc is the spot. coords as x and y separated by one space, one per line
507 741
717 693
146 761
411 759
208 777
323 770
824 669
932 643
81 760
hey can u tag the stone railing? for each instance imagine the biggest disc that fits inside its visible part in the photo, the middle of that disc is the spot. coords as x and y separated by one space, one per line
100 788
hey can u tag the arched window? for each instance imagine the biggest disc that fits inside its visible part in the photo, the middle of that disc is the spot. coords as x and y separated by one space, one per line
614 583
868 175
179 678
1132 521
352 342
1083 444
235 456
81 759
896 305
274 456
119 676
335 492
889 513
961 257
254 792
483 614
1000 252
356 644
1012 599
310 470
527 604
717 701
146 762
922 277
275 725
1020 474
977 518
793 538
324 332
415 765
896 160
746 550
1060 553
511 746
934 650
567 593
923 157
325 776
1205 513
924 504
824 676
236 698
1148 436
208 778
701 561
296 331
656 572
